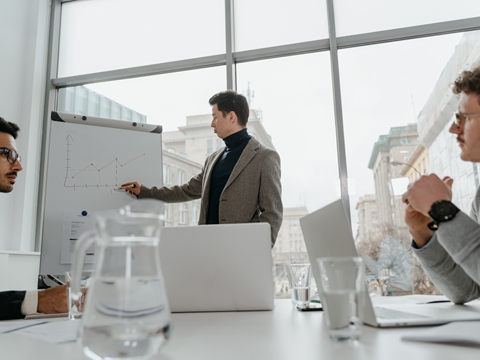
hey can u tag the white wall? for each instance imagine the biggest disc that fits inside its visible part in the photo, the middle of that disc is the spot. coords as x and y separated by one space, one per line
23 59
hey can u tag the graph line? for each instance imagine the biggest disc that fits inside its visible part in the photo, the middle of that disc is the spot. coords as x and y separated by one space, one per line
92 167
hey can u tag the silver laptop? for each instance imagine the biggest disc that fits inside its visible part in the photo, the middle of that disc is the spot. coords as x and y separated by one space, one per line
327 233
218 267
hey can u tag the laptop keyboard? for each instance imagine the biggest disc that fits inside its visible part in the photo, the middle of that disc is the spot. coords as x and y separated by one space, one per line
387 313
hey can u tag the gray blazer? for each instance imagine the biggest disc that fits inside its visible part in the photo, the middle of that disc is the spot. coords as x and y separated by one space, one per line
452 257
253 192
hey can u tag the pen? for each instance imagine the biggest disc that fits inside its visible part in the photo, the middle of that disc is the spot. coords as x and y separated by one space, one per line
55 279
124 187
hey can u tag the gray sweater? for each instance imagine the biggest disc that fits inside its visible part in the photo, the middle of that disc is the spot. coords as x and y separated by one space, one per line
452 257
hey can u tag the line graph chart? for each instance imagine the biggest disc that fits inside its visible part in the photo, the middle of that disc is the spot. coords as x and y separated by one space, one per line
91 170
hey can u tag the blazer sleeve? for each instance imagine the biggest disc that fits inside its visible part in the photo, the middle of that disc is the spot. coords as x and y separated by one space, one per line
270 195
191 190
11 305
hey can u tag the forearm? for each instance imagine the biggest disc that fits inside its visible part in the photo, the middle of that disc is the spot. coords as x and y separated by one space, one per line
461 239
53 300
192 190
449 277
171 194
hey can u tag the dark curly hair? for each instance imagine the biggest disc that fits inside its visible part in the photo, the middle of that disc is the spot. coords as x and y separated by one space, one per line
468 82
9 127
232 101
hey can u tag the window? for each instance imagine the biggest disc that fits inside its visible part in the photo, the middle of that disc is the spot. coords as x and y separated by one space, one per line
283 22
169 213
166 174
420 82
390 14
136 33
196 212
183 214
281 62
181 177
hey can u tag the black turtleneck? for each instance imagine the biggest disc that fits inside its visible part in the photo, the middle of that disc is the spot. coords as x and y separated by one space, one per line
234 146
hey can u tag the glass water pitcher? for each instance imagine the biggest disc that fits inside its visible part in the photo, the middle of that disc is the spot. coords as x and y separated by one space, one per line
126 314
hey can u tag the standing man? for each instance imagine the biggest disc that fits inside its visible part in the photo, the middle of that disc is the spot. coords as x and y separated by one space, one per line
17 304
446 240
239 183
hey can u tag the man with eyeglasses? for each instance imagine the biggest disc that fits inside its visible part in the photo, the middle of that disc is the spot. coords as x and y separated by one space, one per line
17 304
445 239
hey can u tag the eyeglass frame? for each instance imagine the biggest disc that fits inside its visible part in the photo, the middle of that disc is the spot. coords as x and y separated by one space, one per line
11 155
465 116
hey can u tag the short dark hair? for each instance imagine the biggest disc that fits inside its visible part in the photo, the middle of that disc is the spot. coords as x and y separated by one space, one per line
232 101
9 127
468 82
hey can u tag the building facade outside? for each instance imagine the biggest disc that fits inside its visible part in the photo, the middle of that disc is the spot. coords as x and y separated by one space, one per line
430 148
289 249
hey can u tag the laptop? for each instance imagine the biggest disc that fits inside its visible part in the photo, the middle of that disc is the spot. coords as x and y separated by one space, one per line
327 232
218 267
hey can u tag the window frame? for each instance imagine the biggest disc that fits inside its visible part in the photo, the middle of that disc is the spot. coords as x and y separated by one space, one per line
230 59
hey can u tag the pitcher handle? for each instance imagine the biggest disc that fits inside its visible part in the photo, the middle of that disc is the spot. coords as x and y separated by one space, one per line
83 243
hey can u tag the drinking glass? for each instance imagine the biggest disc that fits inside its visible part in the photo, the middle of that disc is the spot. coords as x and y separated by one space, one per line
299 276
341 291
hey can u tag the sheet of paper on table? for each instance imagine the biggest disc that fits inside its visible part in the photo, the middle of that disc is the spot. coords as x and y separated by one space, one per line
462 332
9 326
55 332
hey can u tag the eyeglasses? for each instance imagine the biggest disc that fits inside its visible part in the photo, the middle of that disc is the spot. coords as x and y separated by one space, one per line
10 154
461 118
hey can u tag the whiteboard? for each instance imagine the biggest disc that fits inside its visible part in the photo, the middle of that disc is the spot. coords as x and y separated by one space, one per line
87 162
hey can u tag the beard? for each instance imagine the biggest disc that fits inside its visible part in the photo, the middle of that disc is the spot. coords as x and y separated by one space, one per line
6 187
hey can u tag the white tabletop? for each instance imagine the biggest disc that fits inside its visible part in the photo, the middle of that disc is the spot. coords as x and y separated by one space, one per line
284 333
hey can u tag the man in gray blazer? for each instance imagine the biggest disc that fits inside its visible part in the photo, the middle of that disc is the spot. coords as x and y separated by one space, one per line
446 240
17 304
239 183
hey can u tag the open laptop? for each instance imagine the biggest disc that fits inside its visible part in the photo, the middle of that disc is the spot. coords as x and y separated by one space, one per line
218 267
327 233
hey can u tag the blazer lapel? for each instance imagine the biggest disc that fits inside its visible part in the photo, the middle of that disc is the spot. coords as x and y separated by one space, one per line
247 155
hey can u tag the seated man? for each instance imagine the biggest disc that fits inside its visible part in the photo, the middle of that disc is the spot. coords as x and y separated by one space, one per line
446 240
17 304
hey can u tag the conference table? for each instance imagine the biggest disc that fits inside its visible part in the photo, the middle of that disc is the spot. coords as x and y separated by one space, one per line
284 333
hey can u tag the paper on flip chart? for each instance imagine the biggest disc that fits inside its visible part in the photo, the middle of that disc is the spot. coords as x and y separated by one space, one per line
462 332
54 332
10 326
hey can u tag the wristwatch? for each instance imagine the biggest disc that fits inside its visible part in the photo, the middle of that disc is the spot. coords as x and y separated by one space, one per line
441 211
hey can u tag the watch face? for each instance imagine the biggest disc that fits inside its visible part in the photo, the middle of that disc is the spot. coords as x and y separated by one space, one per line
442 210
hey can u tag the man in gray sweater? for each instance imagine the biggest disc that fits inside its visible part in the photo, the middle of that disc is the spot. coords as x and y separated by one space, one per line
446 240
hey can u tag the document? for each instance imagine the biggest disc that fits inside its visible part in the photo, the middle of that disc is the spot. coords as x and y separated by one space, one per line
9 326
55 332
75 223
462 332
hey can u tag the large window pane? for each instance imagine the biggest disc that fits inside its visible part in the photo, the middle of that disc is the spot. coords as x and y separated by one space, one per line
361 16
265 23
293 98
398 106
178 102
100 35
